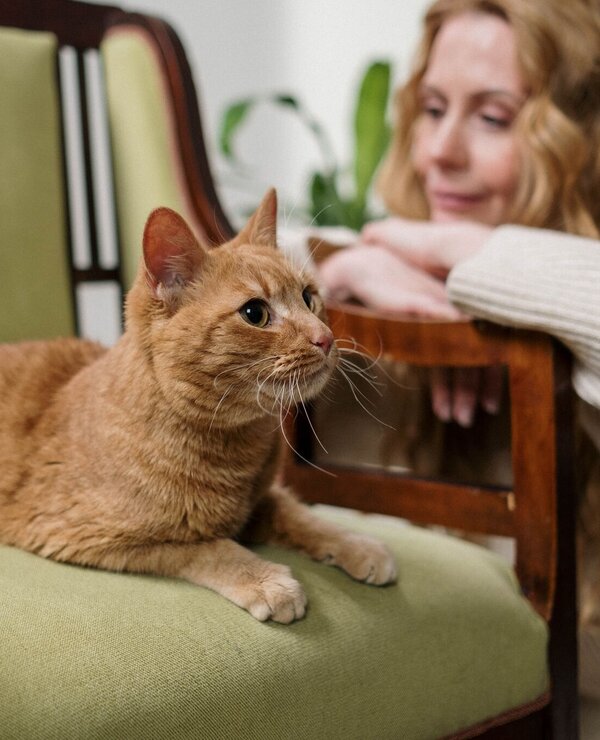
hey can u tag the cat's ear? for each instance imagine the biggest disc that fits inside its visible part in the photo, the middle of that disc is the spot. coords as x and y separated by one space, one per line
172 255
262 226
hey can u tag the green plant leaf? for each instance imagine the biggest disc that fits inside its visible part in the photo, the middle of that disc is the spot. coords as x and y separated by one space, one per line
230 122
327 209
285 99
372 133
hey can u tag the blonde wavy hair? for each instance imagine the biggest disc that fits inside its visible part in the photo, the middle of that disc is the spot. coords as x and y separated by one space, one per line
558 47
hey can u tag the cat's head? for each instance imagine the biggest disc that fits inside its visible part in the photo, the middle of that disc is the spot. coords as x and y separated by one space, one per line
233 331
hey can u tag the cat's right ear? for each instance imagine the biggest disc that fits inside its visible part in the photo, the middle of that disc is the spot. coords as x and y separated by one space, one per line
172 254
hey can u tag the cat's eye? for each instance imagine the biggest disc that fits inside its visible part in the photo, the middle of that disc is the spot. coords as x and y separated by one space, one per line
255 312
308 298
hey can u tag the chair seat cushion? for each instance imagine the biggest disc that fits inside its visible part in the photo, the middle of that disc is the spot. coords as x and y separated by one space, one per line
92 654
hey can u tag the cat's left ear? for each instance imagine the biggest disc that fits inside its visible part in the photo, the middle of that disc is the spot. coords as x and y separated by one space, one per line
172 255
262 226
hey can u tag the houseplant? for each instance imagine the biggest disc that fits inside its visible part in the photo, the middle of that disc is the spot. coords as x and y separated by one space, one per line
330 203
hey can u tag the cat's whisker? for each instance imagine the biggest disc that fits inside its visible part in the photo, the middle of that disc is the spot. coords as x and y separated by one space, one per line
347 354
260 384
311 250
259 401
354 390
307 417
313 220
350 367
306 261
287 215
280 394
295 451
233 368
373 361
325 394
355 387
363 353
218 406
375 385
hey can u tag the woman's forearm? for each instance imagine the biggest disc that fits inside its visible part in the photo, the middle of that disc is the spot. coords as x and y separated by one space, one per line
542 280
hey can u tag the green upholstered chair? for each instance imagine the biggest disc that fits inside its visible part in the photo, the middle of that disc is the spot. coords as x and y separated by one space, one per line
454 649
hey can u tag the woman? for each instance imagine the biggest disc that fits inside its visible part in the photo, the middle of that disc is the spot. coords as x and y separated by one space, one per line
548 281
464 154
549 64
499 122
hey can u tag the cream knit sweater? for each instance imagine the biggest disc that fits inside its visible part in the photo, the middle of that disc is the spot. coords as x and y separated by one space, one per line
543 280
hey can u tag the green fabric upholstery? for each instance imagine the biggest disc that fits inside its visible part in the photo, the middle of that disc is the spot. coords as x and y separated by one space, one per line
90 654
35 299
146 173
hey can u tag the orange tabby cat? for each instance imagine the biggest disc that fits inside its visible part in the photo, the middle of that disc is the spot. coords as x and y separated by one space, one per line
159 455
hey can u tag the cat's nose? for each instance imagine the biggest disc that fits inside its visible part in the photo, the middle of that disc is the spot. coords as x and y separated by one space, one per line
323 340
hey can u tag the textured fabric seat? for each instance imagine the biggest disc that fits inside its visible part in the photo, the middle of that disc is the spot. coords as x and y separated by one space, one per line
90 654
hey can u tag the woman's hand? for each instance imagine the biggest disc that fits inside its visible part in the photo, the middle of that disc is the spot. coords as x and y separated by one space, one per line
384 282
401 268
436 248
456 392
433 247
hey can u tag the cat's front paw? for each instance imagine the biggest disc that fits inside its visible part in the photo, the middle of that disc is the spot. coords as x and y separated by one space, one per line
275 595
363 558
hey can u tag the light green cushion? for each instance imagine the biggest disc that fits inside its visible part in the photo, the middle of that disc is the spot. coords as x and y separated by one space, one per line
35 298
90 654
146 172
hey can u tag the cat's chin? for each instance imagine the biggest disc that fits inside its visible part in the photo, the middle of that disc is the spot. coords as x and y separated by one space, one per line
311 385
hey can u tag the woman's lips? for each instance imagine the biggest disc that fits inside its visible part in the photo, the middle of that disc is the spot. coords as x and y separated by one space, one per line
449 201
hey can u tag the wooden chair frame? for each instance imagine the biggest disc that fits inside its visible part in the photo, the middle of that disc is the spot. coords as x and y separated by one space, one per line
538 511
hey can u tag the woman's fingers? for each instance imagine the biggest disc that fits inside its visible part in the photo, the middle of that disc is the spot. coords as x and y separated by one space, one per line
441 393
384 282
491 388
456 392
465 395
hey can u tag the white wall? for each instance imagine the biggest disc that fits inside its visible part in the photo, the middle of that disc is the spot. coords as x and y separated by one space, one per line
315 49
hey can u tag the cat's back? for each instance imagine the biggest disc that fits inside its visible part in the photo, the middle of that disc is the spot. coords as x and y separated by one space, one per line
31 373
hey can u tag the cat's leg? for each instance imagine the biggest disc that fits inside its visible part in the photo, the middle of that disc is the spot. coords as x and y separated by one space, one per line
281 519
266 590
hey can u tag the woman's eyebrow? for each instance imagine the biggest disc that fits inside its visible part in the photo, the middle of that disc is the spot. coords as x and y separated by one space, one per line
430 90
517 98
492 92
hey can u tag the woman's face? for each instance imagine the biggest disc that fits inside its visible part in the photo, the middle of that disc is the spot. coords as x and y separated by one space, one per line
465 146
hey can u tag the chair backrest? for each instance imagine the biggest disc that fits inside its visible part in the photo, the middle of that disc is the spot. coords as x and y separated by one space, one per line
99 124
539 509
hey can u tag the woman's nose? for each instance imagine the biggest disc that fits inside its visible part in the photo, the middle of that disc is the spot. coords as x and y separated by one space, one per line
449 147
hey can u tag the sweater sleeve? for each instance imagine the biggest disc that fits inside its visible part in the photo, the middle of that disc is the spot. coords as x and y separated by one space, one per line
544 280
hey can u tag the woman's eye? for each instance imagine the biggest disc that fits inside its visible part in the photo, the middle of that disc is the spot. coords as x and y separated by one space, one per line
495 120
307 297
432 106
255 312
433 111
